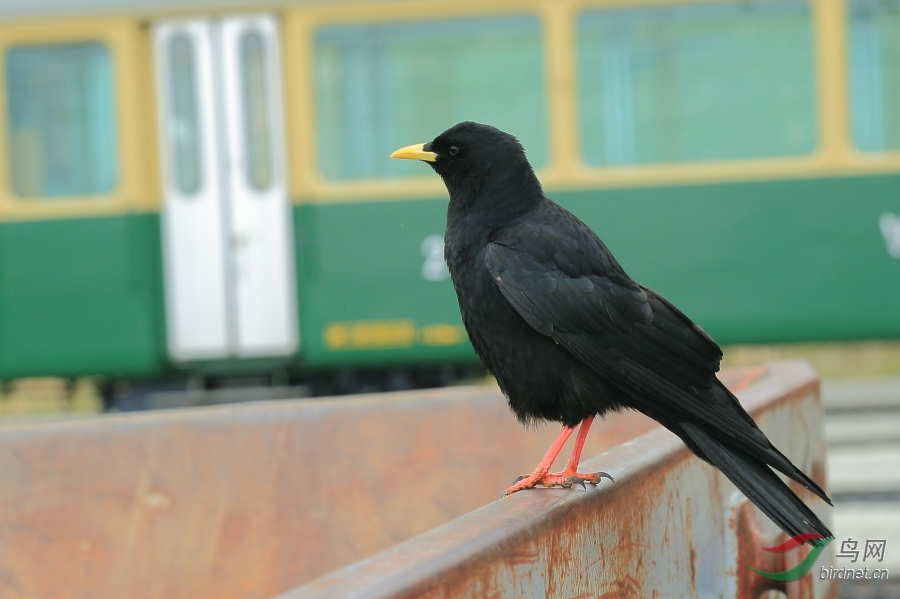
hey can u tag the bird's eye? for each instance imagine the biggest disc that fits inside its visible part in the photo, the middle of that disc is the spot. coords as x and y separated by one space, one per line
453 150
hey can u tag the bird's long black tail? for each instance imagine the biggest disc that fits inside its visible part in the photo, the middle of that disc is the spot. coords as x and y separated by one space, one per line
757 482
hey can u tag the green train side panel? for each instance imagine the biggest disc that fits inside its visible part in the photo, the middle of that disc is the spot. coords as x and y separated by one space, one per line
360 271
81 296
751 262
760 262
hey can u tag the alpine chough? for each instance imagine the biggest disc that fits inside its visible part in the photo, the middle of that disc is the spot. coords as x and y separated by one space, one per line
569 335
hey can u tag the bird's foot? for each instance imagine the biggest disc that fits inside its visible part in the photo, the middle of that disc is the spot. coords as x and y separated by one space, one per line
564 479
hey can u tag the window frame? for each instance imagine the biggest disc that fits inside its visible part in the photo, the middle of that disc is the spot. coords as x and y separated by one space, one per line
300 24
134 119
833 154
813 107
336 36
857 148
138 184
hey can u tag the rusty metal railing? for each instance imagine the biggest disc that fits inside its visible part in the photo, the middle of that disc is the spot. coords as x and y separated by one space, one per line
670 526
247 501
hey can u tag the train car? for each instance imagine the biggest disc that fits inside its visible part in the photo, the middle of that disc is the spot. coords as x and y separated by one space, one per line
204 188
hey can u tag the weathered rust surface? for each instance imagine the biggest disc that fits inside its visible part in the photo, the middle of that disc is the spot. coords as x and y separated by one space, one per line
248 501
671 526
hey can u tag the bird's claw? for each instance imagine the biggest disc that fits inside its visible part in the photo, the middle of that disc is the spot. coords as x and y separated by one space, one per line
518 478
601 475
563 479
573 480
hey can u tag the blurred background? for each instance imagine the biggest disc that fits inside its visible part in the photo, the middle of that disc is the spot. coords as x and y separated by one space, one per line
197 205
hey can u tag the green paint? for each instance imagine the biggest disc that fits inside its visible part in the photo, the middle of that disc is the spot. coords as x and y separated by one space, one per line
760 262
751 262
363 262
81 296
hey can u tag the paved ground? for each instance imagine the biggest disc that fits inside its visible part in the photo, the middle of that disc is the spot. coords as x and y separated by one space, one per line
862 429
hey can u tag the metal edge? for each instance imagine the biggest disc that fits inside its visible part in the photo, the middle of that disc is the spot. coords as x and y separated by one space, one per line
413 566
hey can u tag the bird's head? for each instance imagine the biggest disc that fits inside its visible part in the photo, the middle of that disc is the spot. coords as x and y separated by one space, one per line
479 164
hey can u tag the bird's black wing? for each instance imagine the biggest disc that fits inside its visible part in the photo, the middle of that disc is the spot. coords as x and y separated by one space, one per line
566 285
564 282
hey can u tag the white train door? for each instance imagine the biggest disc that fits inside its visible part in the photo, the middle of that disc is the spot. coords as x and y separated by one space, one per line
227 234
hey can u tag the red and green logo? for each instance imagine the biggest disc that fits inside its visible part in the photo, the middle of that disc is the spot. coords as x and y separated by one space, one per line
804 566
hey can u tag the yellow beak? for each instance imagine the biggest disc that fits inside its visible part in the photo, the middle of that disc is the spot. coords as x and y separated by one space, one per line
415 152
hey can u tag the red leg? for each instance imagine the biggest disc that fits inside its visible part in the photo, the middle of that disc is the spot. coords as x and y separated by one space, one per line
543 476
575 456
544 467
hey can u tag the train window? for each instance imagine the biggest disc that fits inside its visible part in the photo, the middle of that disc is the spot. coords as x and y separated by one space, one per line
380 86
256 110
184 126
62 138
694 83
874 47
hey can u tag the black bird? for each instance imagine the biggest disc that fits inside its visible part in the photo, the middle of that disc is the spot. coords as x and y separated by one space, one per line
569 336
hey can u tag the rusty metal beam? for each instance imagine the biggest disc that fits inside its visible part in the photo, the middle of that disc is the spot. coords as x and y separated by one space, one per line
670 526
247 501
